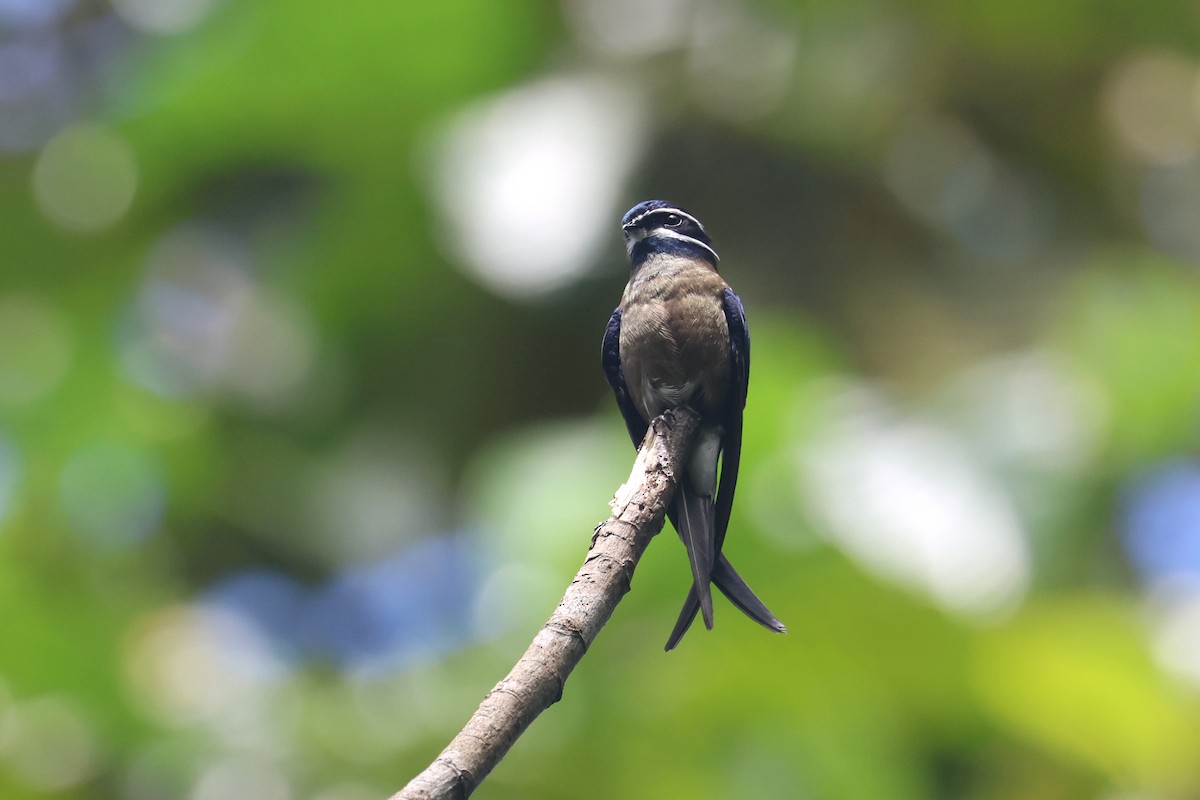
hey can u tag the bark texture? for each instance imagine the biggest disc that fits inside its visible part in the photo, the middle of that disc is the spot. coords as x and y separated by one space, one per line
537 680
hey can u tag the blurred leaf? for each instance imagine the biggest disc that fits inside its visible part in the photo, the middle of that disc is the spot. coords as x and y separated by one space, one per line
1136 328
1073 674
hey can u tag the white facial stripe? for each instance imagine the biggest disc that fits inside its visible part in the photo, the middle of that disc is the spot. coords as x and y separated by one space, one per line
682 237
667 210
633 236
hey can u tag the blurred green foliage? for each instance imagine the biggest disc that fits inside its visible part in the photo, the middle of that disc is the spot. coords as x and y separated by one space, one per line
294 460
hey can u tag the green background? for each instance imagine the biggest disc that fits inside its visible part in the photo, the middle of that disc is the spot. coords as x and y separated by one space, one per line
303 430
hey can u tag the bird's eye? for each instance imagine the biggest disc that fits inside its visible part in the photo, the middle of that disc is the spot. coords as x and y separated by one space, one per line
673 221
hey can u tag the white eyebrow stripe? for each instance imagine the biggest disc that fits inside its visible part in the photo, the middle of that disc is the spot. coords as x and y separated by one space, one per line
683 237
667 210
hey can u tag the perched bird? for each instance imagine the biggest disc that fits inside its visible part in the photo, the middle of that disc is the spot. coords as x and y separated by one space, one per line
677 339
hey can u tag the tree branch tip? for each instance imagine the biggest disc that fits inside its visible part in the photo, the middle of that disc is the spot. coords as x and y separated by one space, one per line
639 507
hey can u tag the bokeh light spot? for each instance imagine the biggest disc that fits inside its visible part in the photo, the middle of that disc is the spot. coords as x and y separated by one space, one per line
35 349
113 495
163 16
1169 205
269 605
377 491
1150 103
381 616
85 178
51 746
1031 410
1175 612
944 175
202 324
740 65
32 13
196 287
273 351
189 664
904 499
528 181
241 778
604 24
1161 521
935 165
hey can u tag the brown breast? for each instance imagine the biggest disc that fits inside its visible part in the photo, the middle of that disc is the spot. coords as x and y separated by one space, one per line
674 338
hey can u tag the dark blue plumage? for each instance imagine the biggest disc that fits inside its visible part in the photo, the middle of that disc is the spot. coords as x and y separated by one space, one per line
679 338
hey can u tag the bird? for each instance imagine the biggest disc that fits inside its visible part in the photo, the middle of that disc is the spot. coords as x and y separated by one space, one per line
679 339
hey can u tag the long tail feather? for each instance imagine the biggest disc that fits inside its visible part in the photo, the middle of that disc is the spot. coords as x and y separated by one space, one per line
697 529
733 586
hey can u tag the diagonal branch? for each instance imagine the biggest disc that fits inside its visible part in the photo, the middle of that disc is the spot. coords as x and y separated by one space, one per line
538 678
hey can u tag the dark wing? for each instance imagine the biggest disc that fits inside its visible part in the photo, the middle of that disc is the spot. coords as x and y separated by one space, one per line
610 356
724 575
731 442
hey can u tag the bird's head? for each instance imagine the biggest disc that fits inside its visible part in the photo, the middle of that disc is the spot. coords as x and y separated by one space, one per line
658 226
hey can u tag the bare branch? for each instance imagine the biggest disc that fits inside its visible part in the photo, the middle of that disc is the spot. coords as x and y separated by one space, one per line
538 678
